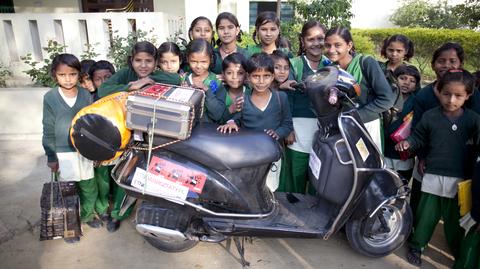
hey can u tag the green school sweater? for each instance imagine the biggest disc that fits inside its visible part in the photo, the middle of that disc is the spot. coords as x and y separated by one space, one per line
446 148
389 148
56 121
376 95
300 104
119 81
276 115
214 106
228 101
426 100
217 67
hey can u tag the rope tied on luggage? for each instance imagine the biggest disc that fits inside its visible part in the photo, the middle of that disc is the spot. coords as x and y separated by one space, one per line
151 127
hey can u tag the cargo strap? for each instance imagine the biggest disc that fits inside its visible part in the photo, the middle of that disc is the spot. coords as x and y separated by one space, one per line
150 130
151 135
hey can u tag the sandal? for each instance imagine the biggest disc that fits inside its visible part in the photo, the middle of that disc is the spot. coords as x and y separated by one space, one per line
414 256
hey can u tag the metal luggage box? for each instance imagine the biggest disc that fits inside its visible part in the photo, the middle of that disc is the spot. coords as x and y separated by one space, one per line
176 109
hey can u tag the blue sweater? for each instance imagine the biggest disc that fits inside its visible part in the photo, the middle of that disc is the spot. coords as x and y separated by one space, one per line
276 116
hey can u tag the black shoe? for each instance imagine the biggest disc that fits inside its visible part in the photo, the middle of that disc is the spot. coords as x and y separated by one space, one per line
72 240
105 217
414 256
113 225
95 223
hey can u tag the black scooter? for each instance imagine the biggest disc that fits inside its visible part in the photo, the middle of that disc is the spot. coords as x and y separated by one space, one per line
220 192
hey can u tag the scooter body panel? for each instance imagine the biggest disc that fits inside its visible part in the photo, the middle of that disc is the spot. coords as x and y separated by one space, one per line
230 191
350 158
295 215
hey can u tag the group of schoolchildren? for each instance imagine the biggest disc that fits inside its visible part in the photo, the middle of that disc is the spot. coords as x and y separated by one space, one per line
253 88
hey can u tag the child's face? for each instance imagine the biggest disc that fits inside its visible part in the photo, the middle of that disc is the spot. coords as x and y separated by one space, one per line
261 80
66 76
406 83
268 33
282 68
87 83
169 62
452 96
314 42
446 60
234 76
227 31
203 30
143 64
99 76
395 52
199 63
337 48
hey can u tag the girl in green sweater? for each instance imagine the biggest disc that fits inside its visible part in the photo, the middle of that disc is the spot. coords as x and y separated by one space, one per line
376 96
294 174
60 105
229 34
200 59
139 73
266 34
445 131
234 76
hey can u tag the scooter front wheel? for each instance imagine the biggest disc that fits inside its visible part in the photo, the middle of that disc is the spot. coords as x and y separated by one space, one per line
382 234
171 246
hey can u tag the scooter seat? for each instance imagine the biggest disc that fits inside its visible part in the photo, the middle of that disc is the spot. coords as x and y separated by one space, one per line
225 151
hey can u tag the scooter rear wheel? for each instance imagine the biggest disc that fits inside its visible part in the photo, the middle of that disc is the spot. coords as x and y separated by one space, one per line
171 246
369 236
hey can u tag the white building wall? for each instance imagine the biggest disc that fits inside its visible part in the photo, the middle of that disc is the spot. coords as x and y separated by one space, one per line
47 6
30 32
195 8
240 9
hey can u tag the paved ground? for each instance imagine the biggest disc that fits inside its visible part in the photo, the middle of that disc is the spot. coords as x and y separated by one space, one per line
23 171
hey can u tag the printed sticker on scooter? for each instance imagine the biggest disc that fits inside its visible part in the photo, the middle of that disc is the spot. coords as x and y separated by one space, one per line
158 185
192 179
362 149
315 164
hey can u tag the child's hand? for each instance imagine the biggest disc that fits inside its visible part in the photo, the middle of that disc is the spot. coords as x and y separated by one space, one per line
220 77
200 86
288 85
290 138
231 125
237 105
272 133
402 145
53 166
137 85
421 167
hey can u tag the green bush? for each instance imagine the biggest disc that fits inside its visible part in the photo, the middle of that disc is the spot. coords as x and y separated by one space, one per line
291 31
427 40
121 47
4 74
40 72
363 44
90 53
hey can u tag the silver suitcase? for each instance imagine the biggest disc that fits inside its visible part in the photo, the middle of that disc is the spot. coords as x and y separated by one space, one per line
176 110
